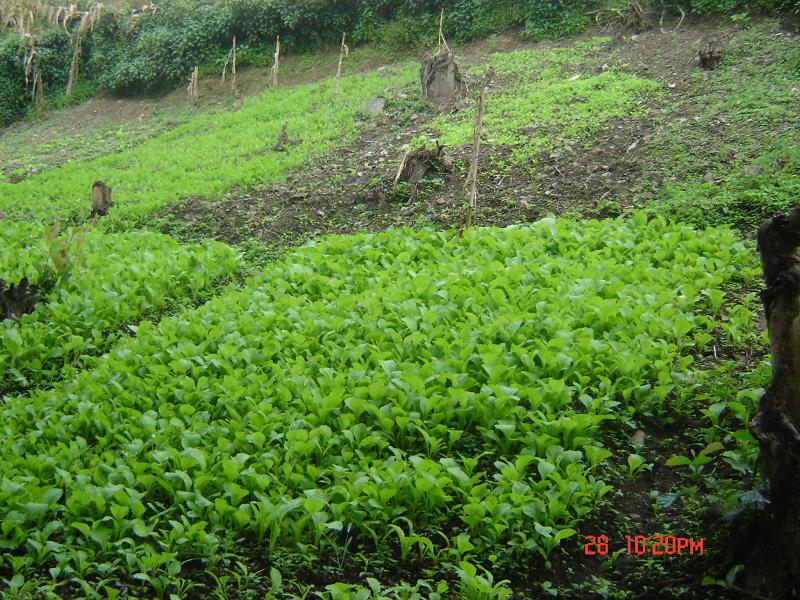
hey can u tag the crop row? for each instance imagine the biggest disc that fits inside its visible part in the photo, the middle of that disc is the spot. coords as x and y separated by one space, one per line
436 395
108 280
208 156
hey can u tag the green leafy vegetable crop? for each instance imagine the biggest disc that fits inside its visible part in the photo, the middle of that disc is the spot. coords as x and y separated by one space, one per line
442 398
121 278
208 156
546 97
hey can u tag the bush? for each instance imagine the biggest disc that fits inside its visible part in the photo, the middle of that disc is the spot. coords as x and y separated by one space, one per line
708 7
13 95
162 49
52 59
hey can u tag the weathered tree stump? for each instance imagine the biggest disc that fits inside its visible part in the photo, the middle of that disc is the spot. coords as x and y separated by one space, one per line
775 556
440 78
416 164
711 55
283 140
101 199
617 35
17 299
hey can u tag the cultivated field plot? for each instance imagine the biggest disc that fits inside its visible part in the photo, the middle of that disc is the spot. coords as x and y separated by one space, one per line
209 155
409 394
109 281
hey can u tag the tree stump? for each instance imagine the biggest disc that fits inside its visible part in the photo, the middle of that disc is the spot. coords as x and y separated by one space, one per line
790 23
774 557
416 164
710 55
101 199
283 140
17 299
617 35
440 78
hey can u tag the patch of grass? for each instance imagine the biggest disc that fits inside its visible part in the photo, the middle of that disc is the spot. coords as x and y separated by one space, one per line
546 99
734 155
743 199
38 148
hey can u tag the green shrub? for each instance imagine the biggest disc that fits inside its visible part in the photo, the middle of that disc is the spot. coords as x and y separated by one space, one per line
52 60
13 95
161 50
568 23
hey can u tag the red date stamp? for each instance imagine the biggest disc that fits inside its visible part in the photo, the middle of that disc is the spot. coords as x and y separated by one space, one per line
657 545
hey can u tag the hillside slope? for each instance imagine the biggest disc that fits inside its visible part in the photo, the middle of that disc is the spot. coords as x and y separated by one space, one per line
402 411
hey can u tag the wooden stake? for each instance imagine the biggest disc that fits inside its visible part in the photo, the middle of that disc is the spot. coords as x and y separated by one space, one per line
276 62
233 69
442 42
73 67
472 178
343 51
38 92
192 88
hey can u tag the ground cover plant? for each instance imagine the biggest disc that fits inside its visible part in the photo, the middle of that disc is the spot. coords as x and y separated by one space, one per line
96 283
417 395
209 155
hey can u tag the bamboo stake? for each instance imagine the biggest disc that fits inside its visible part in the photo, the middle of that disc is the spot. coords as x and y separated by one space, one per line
192 88
225 66
471 184
442 42
73 67
233 71
38 91
276 62
343 51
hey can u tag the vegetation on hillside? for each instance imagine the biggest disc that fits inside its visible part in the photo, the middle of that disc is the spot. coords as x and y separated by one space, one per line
159 47
209 155
412 413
